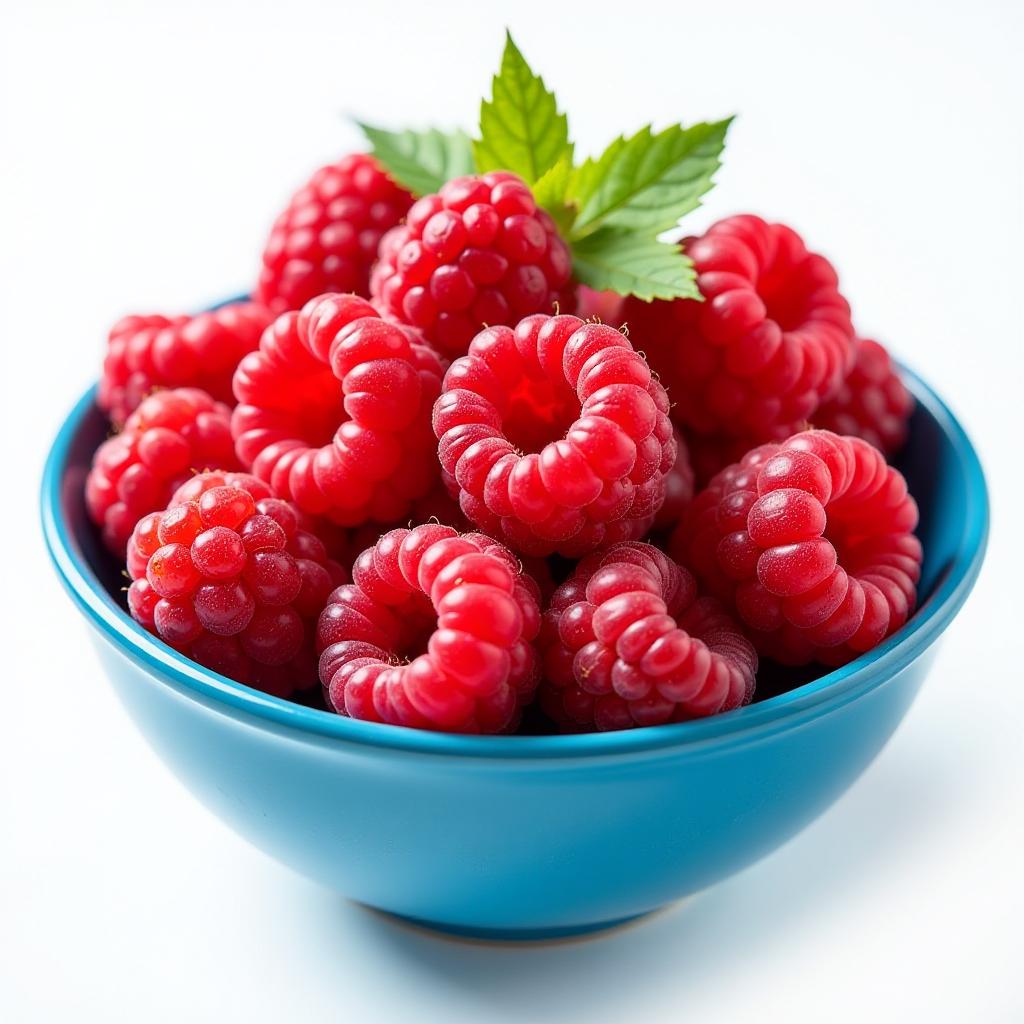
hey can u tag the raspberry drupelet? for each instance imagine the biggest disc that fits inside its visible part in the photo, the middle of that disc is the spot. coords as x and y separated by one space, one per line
461 600
233 582
872 401
771 340
334 412
556 434
327 237
627 642
811 542
479 253
147 352
170 436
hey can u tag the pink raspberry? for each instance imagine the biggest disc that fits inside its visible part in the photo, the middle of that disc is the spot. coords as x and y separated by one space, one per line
479 253
463 602
771 340
811 542
234 583
556 434
334 412
326 239
627 642
147 352
170 436
872 402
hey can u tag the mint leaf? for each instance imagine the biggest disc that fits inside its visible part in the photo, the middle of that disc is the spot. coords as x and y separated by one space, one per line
521 129
421 161
551 192
648 181
618 260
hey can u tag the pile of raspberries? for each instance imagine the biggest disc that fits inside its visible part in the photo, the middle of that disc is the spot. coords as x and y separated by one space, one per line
403 479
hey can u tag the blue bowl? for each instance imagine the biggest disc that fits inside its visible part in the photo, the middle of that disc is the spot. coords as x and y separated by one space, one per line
524 836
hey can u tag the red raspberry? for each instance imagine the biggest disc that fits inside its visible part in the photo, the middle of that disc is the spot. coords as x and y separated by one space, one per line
463 599
196 486
440 505
557 435
336 540
479 253
147 352
170 436
627 642
437 506
711 454
811 542
334 412
326 239
771 341
680 487
232 581
192 491
872 401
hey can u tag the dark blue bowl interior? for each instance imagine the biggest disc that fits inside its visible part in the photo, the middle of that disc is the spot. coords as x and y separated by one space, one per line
935 471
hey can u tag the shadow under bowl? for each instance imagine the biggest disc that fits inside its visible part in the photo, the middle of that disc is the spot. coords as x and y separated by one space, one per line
523 836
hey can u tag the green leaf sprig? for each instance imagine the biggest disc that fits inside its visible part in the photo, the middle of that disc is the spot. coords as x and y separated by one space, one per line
611 208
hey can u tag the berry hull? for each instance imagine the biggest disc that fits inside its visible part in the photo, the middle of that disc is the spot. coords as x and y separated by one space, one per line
546 835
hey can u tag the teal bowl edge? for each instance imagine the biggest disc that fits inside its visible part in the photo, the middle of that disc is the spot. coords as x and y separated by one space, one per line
738 727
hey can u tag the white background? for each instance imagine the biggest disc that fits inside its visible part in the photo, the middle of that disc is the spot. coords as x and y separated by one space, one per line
145 149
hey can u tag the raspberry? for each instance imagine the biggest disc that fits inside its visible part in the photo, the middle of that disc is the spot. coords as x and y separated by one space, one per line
440 504
771 341
437 506
334 412
872 401
556 434
230 580
191 490
603 307
295 522
811 542
196 486
711 454
679 488
627 642
168 437
147 352
479 253
326 239
461 597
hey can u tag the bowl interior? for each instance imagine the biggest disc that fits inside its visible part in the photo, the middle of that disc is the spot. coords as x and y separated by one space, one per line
942 472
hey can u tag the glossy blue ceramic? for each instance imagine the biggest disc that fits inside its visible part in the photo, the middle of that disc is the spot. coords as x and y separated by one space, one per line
532 836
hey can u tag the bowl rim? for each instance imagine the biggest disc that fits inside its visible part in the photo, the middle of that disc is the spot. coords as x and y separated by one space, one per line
778 712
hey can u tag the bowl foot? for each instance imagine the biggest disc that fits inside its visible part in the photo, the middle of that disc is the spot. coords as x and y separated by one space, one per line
513 935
